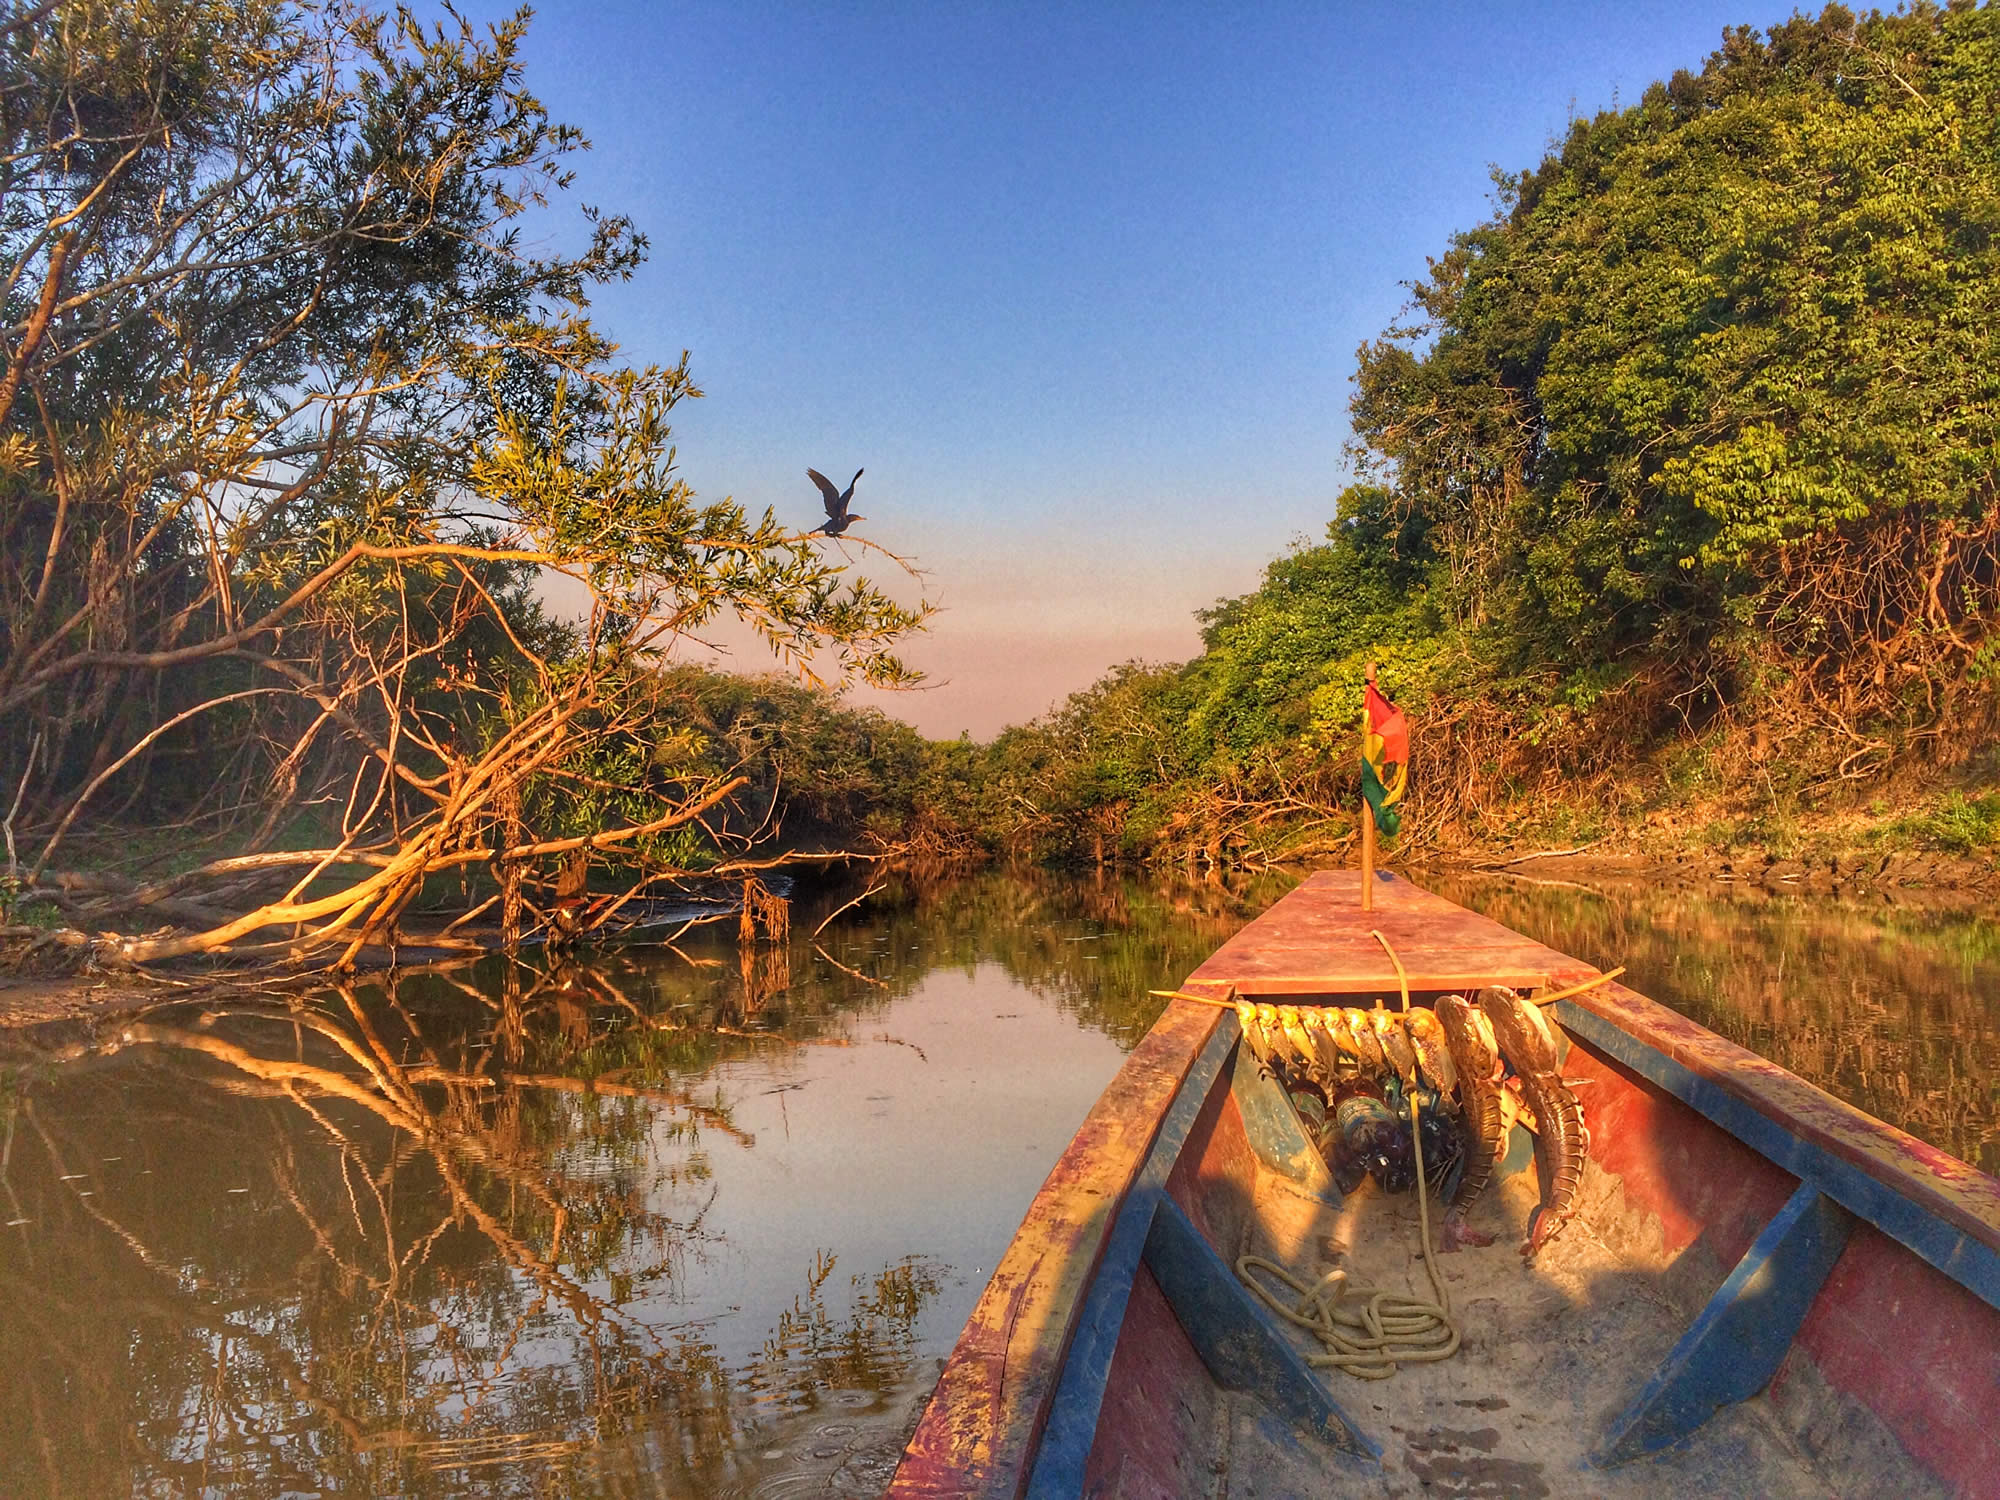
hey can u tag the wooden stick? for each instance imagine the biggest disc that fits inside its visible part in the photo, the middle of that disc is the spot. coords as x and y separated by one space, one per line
1578 989
1367 812
1367 856
848 907
1198 999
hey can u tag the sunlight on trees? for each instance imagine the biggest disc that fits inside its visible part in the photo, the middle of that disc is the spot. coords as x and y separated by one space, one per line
297 404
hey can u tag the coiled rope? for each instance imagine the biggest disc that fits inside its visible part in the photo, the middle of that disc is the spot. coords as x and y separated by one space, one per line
1368 1333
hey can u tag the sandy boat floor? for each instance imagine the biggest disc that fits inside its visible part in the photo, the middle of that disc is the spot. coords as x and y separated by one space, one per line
1551 1355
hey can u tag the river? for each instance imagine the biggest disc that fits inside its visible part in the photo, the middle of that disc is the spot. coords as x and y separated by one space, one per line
704 1220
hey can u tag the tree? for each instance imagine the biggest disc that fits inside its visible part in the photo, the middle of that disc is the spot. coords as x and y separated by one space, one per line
292 418
1714 401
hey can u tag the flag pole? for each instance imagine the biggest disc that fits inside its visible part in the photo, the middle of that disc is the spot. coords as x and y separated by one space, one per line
1367 818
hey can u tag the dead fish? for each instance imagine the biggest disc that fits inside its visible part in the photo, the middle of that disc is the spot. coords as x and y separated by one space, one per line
1367 1046
1299 1045
1253 1031
1426 1033
1334 1020
1492 1042
1562 1144
1395 1044
1270 1030
1476 1061
1323 1041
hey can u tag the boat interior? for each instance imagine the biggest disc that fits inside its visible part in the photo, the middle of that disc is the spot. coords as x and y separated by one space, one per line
1551 1354
1760 1290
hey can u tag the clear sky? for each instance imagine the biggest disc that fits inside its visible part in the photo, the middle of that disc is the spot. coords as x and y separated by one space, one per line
1080 285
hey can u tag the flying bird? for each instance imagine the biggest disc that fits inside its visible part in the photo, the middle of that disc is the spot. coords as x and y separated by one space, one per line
837 518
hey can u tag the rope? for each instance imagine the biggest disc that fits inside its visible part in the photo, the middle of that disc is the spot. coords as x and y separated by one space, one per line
1402 979
1367 1333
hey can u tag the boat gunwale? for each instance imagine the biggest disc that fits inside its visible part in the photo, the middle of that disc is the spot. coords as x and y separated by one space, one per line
1844 1151
1008 1362
1822 1138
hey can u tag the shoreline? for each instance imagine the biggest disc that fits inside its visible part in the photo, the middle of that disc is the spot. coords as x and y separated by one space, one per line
1943 881
1940 882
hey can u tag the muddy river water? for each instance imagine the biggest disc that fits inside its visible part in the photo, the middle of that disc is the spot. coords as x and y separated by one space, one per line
704 1221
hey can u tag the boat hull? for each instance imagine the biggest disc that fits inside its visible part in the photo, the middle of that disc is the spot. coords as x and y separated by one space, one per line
1763 1286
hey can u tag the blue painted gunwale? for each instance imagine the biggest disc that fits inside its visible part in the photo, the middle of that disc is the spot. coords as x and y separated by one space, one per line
1071 1428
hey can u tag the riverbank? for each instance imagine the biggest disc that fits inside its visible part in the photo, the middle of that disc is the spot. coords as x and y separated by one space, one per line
1911 878
1916 877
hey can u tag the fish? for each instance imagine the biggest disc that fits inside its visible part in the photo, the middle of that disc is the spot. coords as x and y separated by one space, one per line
1323 1041
1300 1047
1334 1019
1254 1035
1270 1033
1367 1046
1477 1060
1426 1033
1396 1046
1562 1143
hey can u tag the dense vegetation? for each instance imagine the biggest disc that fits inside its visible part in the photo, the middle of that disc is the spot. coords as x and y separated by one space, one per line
297 404
1680 474
1692 447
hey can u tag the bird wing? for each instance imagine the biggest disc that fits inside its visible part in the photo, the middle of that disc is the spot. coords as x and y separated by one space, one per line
828 492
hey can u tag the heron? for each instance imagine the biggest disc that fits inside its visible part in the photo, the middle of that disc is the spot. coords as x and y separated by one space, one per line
837 518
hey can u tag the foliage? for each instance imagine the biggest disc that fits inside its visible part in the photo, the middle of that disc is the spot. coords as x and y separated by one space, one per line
302 404
1700 430
1962 825
1717 396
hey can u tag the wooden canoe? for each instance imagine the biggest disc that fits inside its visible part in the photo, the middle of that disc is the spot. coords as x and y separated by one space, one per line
1766 1291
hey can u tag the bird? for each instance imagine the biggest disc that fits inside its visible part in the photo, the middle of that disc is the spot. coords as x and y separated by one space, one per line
837 518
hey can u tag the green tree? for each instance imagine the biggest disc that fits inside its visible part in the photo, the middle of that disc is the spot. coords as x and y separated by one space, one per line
293 414
1715 401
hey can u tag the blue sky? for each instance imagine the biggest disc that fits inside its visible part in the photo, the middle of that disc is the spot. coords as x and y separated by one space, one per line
1080 286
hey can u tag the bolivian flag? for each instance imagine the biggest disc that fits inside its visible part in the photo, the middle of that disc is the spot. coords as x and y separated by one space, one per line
1385 758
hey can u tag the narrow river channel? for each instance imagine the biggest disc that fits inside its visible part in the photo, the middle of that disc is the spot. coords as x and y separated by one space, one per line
704 1221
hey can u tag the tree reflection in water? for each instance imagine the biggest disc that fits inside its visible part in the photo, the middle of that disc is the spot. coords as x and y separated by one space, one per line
440 1225
425 1236
472 1233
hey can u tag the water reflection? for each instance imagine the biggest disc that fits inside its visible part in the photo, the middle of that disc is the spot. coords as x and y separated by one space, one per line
686 1222
1894 1008
701 1220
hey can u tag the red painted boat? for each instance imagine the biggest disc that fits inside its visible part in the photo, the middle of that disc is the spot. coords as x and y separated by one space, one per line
1764 1291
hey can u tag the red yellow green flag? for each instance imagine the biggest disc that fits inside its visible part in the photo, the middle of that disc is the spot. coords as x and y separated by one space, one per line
1385 758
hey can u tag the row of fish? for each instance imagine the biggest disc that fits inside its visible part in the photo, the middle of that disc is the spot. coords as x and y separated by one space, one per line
1367 1081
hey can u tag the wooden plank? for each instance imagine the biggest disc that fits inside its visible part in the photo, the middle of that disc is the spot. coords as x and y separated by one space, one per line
1934 1185
1317 941
1736 1344
1237 1339
985 1418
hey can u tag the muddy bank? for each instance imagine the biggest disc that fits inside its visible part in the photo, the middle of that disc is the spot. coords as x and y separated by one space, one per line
1946 881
